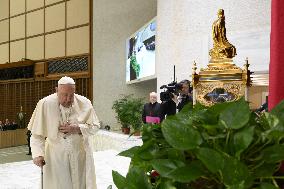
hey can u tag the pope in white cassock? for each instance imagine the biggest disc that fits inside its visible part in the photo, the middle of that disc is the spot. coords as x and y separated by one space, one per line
62 126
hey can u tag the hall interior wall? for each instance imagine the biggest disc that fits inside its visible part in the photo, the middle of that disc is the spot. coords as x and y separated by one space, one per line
42 30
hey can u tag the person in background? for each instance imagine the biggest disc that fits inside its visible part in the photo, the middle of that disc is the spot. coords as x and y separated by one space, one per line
185 94
1 126
7 125
263 107
152 111
62 126
29 134
14 125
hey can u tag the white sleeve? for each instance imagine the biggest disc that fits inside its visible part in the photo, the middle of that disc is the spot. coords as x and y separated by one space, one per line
91 126
89 129
37 145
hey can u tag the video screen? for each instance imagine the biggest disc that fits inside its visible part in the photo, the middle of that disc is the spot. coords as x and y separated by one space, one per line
140 51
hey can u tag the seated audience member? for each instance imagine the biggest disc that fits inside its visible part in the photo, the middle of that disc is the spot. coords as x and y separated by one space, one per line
1 126
7 125
14 125
152 111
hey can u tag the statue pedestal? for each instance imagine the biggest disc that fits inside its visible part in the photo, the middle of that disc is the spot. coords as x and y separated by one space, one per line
220 81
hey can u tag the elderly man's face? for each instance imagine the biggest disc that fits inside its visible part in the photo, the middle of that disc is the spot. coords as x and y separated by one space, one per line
65 94
153 98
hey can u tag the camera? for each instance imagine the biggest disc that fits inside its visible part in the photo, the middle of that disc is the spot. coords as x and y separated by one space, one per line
171 89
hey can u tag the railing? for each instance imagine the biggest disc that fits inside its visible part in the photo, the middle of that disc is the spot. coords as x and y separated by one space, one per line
13 138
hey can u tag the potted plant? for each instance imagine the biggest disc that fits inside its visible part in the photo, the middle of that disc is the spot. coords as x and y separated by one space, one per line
222 146
128 112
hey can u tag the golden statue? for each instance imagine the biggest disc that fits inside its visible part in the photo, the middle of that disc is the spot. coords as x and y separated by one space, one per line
221 81
221 47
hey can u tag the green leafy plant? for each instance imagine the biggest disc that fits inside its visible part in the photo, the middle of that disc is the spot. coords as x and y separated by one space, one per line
129 111
135 65
222 146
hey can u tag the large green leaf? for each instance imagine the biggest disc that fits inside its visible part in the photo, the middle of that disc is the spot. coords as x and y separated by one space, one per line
168 184
235 173
212 114
180 135
150 150
274 127
273 154
118 180
238 186
187 173
236 115
130 152
187 108
271 119
137 179
265 170
165 166
212 159
267 186
242 139
278 110
176 154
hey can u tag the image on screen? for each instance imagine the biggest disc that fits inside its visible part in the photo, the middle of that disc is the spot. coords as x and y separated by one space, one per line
140 52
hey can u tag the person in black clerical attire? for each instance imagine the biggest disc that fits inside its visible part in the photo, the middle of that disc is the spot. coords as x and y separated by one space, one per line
29 134
185 94
152 111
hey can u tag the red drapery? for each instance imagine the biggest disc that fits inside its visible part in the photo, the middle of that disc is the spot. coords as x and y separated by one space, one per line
276 67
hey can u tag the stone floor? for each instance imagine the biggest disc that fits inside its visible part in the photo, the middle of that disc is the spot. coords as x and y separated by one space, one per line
14 154
18 172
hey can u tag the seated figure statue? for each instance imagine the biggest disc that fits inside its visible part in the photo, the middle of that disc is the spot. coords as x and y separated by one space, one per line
221 46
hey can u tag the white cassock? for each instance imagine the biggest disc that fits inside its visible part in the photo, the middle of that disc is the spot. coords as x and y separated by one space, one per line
69 158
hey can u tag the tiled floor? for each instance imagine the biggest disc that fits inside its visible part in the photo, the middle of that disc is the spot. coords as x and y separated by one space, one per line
14 154
18 173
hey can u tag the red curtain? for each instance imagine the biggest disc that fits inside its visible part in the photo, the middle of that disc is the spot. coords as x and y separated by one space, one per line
276 67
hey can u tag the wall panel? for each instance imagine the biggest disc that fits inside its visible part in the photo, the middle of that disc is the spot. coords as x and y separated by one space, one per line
17 27
4 55
17 50
55 17
78 41
4 9
17 7
55 45
33 4
35 22
47 2
4 31
77 12
35 48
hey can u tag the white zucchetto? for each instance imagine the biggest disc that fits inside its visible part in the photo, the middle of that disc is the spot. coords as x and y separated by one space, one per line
66 80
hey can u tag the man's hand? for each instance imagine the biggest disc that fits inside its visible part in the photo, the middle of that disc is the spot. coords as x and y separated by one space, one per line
68 128
39 161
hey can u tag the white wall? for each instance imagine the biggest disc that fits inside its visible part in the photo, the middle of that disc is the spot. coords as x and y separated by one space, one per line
184 34
113 22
